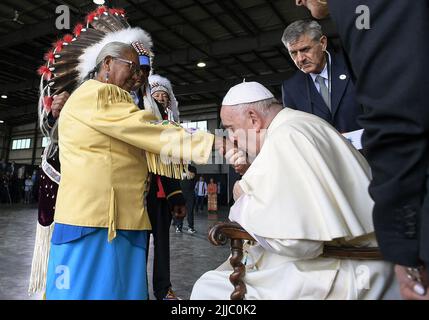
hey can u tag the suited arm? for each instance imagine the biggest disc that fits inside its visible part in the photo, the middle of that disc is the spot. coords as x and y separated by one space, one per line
287 98
396 121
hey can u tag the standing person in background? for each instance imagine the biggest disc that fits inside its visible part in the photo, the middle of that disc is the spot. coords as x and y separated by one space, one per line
322 85
187 184
21 183
165 198
212 197
201 193
28 190
4 188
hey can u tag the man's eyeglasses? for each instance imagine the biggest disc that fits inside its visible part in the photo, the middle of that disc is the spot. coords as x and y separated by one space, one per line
134 69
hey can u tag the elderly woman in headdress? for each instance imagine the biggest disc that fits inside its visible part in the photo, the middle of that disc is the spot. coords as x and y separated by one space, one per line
107 146
162 91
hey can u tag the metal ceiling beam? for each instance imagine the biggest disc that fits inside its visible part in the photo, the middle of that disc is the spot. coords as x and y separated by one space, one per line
23 85
72 7
15 112
264 61
222 48
224 85
215 17
20 6
207 36
243 14
186 56
42 28
245 65
278 15
166 26
231 12
31 32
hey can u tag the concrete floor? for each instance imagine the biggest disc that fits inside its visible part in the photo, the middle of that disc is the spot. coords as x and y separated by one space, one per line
191 254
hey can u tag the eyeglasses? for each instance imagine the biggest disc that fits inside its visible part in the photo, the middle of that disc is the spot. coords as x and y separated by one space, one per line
134 69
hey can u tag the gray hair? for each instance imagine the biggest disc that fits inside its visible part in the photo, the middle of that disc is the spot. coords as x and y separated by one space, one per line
113 49
263 106
299 28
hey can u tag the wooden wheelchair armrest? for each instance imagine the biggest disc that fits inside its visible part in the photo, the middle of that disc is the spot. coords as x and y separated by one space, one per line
219 235
222 231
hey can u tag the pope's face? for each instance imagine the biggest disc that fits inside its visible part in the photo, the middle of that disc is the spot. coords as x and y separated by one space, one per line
308 54
318 8
241 129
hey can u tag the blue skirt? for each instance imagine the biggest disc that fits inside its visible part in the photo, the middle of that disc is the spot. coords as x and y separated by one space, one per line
91 268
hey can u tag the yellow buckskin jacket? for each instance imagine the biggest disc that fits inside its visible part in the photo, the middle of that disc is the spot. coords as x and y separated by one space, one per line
107 147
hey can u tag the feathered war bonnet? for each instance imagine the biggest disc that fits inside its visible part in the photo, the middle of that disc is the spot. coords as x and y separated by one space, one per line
73 57
158 83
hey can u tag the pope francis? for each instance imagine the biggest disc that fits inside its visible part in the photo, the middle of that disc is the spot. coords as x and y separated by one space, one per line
306 188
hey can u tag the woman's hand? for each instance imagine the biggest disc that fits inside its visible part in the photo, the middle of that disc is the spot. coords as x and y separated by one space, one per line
58 103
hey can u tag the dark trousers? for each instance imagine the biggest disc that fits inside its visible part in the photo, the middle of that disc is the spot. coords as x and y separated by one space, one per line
160 218
200 203
190 204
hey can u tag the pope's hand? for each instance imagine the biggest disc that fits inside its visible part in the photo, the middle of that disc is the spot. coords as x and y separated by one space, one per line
223 145
237 191
58 103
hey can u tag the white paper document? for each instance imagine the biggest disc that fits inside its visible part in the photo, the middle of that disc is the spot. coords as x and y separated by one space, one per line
355 138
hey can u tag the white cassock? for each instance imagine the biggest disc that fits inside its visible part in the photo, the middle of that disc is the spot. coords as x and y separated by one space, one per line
306 188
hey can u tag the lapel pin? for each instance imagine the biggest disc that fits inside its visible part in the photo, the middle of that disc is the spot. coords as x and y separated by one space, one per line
343 77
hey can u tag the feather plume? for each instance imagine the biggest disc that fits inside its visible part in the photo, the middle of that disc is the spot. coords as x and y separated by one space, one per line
44 72
49 56
78 29
68 38
73 57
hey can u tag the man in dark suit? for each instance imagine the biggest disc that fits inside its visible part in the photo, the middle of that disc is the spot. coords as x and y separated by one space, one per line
388 47
323 85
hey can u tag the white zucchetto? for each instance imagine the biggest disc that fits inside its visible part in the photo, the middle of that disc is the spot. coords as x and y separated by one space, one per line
246 92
